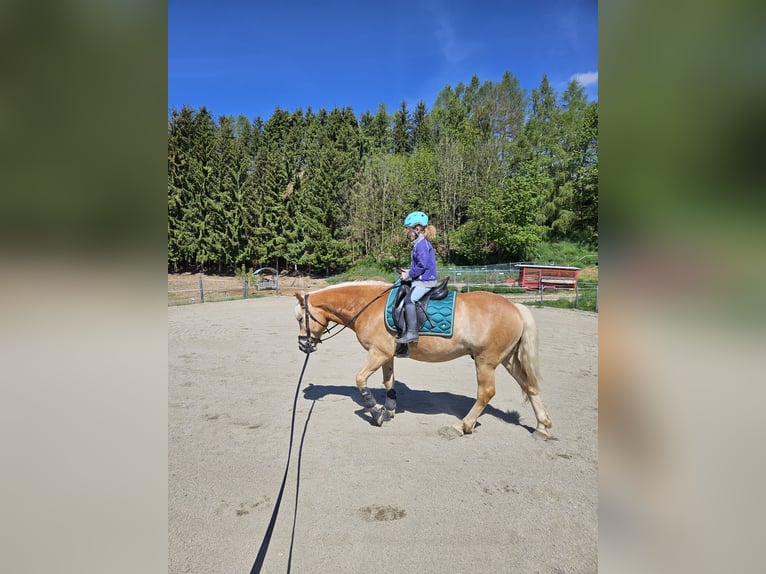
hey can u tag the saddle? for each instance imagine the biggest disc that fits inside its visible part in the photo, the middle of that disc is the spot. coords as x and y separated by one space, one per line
426 318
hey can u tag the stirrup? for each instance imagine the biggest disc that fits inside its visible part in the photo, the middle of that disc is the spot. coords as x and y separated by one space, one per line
402 351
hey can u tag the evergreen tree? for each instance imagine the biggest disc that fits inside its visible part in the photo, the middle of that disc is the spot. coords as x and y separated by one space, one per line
366 134
236 189
332 158
493 169
223 203
244 131
180 143
449 112
543 145
421 127
402 130
584 176
198 213
381 130
267 242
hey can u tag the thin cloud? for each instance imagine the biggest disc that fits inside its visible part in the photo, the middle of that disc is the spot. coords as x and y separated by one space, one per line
447 39
586 79
451 45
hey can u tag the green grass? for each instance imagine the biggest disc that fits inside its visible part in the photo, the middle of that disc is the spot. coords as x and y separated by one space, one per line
586 301
502 289
566 253
365 269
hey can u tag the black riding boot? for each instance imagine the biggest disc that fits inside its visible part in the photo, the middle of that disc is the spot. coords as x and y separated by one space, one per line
410 334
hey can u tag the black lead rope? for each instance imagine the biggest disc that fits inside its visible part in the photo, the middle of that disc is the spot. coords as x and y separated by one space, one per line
298 485
258 564
259 559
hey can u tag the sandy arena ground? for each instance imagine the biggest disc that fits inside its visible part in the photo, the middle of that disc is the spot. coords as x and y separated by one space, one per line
402 498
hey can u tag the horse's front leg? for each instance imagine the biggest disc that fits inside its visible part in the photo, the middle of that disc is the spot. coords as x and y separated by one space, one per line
375 360
388 382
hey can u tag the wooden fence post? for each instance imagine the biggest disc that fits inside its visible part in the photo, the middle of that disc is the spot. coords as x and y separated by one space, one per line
244 287
201 291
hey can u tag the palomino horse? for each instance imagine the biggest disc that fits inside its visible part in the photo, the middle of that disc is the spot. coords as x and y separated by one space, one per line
488 327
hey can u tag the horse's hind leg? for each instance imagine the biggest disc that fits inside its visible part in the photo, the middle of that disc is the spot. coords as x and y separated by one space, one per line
529 386
485 377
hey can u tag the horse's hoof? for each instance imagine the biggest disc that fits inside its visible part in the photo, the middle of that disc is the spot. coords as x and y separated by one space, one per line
379 416
542 435
451 432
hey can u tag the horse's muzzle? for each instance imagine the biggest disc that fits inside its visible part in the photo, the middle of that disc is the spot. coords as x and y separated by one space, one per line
307 344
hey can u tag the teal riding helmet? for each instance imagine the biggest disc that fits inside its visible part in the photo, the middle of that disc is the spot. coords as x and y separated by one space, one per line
416 218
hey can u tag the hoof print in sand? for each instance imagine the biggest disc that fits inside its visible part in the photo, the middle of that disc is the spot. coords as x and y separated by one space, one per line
376 513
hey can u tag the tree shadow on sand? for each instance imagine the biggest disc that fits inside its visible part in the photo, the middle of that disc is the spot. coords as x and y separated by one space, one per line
414 401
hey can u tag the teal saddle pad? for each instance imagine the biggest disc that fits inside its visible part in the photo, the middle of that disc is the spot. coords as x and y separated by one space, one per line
442 313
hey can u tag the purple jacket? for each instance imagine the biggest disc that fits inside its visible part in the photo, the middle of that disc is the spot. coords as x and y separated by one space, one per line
423 266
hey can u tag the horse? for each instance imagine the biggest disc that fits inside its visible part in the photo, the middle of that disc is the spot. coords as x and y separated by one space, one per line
490 328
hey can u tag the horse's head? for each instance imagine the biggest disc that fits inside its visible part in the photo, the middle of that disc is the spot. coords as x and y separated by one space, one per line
311 323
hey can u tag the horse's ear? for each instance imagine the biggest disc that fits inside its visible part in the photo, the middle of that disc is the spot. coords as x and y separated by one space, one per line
299 296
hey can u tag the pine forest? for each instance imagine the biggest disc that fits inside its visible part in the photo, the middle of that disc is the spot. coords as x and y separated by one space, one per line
497 169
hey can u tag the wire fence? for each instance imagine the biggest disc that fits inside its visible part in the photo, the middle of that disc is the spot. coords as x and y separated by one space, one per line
584 295
500 279
505 279
187 290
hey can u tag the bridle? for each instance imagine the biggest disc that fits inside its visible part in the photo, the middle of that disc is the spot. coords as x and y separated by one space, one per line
307 343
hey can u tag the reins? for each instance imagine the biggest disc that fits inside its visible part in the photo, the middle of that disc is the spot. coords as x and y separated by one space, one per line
328 329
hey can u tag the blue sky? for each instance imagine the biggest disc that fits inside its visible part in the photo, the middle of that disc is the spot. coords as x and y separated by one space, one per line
239 57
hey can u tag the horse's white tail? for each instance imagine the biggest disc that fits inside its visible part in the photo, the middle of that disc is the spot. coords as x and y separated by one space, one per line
524 362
